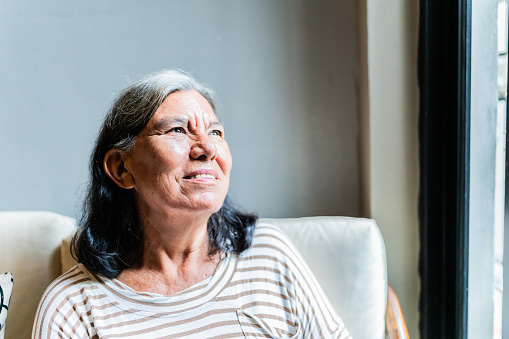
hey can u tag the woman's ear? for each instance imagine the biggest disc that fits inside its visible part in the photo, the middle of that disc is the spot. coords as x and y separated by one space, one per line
114 167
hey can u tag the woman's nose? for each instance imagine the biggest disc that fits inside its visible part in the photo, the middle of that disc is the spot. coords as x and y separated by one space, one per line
203 148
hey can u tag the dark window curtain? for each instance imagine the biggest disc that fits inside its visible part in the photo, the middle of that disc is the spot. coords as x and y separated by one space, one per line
444 81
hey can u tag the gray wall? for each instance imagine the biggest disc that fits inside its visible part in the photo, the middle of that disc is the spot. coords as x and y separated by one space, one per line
284 72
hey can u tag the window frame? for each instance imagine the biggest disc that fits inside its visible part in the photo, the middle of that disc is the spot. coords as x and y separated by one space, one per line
444 136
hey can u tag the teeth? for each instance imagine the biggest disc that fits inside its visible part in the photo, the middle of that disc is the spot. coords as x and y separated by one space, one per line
203 176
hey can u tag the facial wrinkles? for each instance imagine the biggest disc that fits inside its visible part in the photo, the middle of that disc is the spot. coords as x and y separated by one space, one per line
198 118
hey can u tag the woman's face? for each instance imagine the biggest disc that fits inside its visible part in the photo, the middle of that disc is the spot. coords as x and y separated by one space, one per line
180 162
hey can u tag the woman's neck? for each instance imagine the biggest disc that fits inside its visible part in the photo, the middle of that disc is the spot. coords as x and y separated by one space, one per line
176 255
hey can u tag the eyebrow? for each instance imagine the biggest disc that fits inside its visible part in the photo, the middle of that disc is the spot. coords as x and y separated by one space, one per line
216 123
170 121
182 121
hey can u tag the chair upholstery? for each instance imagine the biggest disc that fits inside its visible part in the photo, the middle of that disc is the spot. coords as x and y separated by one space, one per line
29 249
347 256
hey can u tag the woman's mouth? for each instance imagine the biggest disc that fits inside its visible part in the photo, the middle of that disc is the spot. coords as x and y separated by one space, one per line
202 174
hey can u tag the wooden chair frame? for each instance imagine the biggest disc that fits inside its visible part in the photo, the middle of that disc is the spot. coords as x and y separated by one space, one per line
395 325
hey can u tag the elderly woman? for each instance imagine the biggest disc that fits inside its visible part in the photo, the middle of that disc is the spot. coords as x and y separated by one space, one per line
161 251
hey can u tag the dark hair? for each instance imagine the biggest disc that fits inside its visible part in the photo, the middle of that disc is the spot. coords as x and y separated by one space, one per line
110 239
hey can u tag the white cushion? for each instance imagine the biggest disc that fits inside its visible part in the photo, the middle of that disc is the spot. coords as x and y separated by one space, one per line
29 248
347 256
6 283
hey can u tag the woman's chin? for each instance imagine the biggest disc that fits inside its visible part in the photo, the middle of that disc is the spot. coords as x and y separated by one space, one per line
210 204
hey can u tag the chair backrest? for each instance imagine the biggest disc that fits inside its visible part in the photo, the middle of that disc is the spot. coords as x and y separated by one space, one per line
347 256
29 248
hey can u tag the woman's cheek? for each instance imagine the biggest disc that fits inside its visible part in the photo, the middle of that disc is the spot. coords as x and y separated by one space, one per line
224 158
179 149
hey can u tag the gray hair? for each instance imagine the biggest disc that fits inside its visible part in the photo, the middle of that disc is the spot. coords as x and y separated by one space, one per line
136 105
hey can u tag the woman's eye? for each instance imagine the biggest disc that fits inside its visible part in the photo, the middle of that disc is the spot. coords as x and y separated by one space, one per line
177 130
217 132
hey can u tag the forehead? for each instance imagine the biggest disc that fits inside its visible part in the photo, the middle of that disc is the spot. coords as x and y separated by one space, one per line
185 104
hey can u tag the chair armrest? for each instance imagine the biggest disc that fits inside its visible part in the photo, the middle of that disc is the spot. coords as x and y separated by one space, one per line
395 324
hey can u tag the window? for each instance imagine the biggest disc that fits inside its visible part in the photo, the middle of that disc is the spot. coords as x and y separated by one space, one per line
464 200
502 30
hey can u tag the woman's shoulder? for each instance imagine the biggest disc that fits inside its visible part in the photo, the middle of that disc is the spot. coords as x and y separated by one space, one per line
77 282
72 287
268 233
271 240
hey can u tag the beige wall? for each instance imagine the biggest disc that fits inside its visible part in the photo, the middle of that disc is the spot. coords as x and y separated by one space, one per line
388 103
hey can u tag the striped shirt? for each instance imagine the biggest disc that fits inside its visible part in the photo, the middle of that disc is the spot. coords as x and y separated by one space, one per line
266 292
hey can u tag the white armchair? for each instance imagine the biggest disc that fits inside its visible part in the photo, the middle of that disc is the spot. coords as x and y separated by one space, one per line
30 249
347 256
